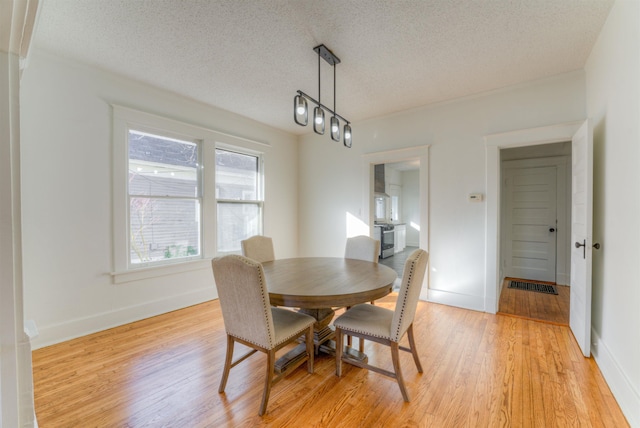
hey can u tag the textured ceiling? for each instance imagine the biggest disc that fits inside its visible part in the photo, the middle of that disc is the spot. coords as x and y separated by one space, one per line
250 57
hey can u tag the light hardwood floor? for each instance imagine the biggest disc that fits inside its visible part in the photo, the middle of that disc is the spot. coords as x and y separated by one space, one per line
536 306
480 370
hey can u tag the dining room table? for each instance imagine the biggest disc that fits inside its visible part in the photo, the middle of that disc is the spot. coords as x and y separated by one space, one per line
318 285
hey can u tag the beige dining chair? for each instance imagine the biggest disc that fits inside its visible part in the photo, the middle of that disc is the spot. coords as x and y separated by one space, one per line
385 326
251 321
259 248
362 248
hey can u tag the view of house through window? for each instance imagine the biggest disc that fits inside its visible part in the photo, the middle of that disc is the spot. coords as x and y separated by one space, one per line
239 198
164 199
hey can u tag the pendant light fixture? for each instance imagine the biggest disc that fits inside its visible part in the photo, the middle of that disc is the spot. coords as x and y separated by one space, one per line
301 109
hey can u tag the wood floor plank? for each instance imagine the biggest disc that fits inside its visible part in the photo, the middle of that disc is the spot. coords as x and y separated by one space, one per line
479 370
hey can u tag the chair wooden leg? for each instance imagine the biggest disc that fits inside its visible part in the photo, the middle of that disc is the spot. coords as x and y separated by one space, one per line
395 357
361 347
414 351
227 364
349 339
339 348
268 381
310 348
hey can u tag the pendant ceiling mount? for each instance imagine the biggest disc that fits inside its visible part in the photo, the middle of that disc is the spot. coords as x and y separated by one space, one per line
301 108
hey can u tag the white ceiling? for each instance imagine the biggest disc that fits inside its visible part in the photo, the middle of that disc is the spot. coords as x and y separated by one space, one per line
250 57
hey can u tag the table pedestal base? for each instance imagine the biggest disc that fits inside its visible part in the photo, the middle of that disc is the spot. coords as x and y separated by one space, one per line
323 335
328 348
321 329
291 357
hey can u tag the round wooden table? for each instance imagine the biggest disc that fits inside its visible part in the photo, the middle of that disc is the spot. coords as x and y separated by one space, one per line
319 284
325 282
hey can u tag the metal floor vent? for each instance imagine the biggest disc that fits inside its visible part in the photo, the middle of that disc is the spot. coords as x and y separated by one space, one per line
531 286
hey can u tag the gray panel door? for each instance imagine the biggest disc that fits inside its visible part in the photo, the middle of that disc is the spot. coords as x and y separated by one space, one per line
531 223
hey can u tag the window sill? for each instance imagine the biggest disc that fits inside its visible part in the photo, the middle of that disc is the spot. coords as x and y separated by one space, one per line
157 271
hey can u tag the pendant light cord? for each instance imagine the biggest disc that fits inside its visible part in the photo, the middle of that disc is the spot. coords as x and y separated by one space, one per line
334 90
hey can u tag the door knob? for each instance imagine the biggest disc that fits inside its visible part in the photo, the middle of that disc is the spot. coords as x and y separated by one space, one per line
578 245
596 245
584 248
551 229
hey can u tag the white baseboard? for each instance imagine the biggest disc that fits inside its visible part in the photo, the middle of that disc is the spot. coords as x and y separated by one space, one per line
50 335
465 301
622 388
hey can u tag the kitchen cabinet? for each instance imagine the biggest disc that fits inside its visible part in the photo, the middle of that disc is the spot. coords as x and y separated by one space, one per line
400 237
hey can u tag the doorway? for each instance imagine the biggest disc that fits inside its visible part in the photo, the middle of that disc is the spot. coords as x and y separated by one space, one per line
535 229
417 226
530 223
494 145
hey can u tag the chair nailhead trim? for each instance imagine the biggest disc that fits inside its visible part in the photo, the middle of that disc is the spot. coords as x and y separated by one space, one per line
262 287
409 283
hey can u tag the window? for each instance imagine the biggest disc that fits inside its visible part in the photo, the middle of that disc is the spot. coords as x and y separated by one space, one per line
239 198
395 208
164 198
182 194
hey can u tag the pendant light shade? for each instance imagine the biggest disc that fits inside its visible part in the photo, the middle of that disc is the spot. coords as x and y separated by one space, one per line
347 136
335 129
318 120
300 110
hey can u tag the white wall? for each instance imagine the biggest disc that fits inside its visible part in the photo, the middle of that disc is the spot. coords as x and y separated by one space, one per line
411 205
331 186
66 195
613 105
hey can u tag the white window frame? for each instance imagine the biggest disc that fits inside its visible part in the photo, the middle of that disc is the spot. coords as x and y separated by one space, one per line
260 190
197 197
124 119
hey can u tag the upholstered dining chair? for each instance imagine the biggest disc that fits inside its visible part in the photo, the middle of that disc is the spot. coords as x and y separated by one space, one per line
362 248
259 248
385 326
251 321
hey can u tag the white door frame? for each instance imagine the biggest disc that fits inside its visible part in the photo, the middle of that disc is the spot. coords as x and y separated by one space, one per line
493 144
17 21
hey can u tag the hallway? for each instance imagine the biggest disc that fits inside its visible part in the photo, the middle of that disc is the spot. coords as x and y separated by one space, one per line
535 306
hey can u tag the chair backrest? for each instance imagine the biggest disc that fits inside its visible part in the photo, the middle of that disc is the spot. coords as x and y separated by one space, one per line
259 248
362 248
412 277
244 299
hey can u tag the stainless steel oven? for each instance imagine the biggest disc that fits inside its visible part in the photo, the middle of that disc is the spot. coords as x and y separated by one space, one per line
386 236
